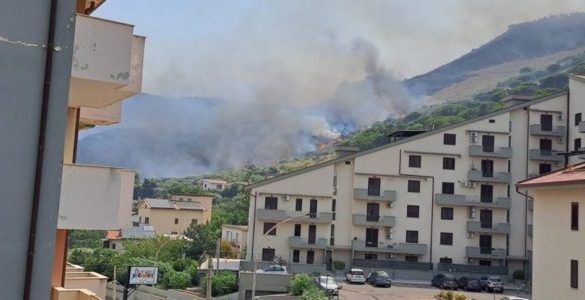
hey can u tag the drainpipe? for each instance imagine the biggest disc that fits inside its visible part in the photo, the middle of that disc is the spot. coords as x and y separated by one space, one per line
32 235
432 200
567 128
255 195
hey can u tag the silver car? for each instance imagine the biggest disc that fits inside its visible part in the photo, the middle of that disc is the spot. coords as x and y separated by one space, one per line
328 284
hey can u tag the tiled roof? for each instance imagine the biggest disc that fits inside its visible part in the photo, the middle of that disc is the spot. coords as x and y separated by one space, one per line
140 232
113 234
173 204
574 174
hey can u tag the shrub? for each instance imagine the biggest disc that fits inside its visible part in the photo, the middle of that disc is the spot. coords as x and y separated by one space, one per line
460 297
223 283
177 280
339 265
518 275
301 282
313 293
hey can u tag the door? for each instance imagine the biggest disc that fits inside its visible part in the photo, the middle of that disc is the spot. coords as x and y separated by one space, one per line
268 254
487 168
373 186
487 142
371 237
310 257
546 122
487 193
373 212
312 234
485 218
546 147
329 260
485 244
313 208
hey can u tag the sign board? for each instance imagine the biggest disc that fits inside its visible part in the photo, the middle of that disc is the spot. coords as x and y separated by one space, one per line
142 275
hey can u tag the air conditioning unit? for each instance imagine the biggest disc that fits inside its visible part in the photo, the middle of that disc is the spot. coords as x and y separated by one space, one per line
390 204
473 137
560 118
389 236
471 212
470 235
470 260
286 198
391 256
334 191
468 184
560 140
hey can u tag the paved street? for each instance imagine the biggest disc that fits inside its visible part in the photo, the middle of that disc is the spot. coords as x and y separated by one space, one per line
366 292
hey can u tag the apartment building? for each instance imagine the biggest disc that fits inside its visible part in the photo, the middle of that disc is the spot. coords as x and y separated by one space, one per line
236 235
175 215
558 239
62 69
442 200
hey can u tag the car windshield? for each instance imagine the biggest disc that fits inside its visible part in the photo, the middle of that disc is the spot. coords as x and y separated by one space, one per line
357 273
327 280
382 274
496 279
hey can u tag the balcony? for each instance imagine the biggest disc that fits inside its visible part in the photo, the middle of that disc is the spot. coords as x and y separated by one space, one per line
95 197
492 253
499 177
397 248
497 228
59 293
94 282
365 220
107 115
107 62
557 131
545 155
461 200
501 152
280 215
529 229
362 194
582 127
302 243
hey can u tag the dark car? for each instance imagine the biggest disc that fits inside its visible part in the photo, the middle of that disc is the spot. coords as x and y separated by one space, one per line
379 278
469 283
444 281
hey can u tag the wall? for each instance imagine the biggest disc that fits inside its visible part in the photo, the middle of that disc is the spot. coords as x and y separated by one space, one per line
21 90
163 220
87 280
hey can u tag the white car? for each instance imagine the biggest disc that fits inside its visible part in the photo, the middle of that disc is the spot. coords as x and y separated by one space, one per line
356 276
513 298
274 269
328 284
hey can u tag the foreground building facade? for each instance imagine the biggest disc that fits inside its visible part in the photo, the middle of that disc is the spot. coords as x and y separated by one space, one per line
442 200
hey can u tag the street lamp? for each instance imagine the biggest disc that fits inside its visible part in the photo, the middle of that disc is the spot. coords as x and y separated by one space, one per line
262 241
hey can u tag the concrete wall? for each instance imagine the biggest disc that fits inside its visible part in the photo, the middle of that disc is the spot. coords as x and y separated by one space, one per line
264 283
22 57
91 281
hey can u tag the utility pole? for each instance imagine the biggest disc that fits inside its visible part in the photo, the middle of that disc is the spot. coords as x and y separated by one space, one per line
209 275
217 249
115 294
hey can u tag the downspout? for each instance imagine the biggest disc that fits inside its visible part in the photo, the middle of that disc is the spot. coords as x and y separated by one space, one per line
254 223
526 196
567 128
40 151
432 201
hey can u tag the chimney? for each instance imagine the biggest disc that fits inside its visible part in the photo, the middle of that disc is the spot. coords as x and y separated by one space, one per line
341 151
516 99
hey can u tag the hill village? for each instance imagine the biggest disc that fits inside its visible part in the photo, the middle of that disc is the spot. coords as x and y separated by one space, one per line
489 205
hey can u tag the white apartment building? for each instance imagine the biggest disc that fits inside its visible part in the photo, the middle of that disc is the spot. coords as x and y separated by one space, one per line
559 243
442 200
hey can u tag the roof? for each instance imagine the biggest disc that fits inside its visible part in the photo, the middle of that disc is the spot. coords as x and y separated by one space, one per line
406 140
240 227
405 133
571 175
173 204
214 180
140 232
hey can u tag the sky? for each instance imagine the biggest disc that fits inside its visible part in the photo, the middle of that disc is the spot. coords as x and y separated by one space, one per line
261 50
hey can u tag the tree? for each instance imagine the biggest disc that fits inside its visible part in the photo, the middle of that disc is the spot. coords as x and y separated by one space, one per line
226 250
86 238
225 282
148 188
159 248
204 238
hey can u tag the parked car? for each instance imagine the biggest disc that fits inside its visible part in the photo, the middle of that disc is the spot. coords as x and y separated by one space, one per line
444 281
274 269
469 283
512 298
356 276
328 284
492 284
379 278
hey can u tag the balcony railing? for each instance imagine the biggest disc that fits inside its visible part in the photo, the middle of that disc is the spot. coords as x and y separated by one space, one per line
545 155
500 152
303 243
462 268
397 248
461 200
557 131
95 197
59 293
364 220
385 196
491 253
499 177
280 215
497 228
392 264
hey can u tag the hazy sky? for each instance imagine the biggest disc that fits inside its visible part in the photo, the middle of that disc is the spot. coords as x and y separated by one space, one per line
253 50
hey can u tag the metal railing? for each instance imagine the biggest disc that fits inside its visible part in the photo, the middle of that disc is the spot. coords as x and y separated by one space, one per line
499 152
386 195
461 200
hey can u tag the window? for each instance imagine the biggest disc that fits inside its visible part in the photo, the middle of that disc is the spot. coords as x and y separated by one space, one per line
448 163
577 144
412 211
271 203
544 168
448 188
310 257
373 186
371 256
114 246
449 139
176 220
575 216
332 237
446 260
574 273
487 143
578 118
146 220
333 207
268 226
447 238
297 230
414 161
487 193
414 186
546 122
446 213
194 221
412 236
299 204
411 258
296 256
268 254
487 168
492 121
